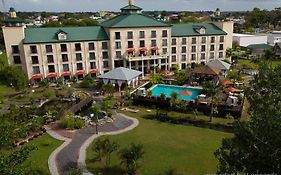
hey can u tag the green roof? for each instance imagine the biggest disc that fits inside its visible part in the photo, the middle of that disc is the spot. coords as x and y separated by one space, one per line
13 20
181 30
259 46
132 20
49 35
131 7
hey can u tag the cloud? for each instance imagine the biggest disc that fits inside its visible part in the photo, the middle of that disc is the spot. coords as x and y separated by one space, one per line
115 5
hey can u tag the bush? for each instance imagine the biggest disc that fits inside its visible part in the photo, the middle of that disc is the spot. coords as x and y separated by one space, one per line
72 123
87 82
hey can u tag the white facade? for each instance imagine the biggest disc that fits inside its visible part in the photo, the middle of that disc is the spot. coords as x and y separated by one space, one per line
245 40
274 37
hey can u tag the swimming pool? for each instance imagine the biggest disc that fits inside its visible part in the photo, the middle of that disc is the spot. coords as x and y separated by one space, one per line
184 93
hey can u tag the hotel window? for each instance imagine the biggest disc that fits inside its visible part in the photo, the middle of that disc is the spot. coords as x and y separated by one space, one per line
203 40
105 64
221 39
50 58
174 50
212 55
105 55
118 45
203 56
49 48
17 59
15 49
36 70
220 54
153 43
34 60
64 57
142 43
63 47
104 45
213 39
93 65
212 47
164 42
183 58
221 47
183 49
79 66
183 41
193 49
91 46
92 55
51 68
33 49
165 50
193 41
174 41
78 47
130 35
142 34
193 57
117 35
174 58
164 33
78 56
130 44
65 67
153 34
203 48
118 54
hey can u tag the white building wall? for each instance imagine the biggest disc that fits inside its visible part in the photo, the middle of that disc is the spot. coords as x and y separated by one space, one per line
246 40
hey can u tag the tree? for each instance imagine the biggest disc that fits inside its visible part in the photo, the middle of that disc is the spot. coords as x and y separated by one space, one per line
212 92
156 78
108 88
255 147
170 171
130 157
12 75
104 148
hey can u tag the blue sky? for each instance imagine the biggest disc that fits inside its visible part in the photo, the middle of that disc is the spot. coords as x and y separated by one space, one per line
114 5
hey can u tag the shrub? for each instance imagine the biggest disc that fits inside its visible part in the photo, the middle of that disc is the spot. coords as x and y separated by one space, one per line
72 123
87 82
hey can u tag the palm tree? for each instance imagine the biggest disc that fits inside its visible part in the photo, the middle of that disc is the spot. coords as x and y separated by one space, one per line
130 156
170 171
212 92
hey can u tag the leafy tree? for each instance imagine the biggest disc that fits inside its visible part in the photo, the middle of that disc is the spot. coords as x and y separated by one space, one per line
130 157
156 79
255 147
12 75
103 149
7 130
235 75
11 164
108 88
212 92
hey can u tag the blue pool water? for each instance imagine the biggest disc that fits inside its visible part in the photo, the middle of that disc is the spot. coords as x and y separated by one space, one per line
158 89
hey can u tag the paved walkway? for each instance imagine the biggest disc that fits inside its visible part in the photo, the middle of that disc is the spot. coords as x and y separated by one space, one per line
72 153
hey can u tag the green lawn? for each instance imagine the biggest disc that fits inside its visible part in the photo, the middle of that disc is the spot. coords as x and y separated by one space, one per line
250 65
188 149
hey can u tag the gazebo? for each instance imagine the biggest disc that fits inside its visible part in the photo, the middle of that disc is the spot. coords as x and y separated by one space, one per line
121 76
205 73
221 65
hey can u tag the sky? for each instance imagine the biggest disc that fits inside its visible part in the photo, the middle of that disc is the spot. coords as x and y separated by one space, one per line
147 5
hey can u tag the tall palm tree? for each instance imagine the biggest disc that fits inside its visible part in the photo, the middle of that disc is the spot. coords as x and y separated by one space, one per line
130 156
212 92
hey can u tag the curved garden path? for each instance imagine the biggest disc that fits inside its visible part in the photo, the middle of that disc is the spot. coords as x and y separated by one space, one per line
72 153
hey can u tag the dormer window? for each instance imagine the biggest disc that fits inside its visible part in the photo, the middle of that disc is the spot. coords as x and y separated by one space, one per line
200 29
62 35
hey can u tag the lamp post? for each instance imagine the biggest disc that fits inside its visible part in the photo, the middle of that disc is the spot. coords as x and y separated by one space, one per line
92 116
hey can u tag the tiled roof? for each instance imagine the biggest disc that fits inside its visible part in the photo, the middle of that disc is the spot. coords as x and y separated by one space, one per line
121 73
181 30
14 20
132 20
219 64
206 70
49 35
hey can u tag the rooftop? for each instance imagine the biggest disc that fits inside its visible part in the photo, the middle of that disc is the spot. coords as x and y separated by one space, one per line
121 73
222 65
259 46
49 35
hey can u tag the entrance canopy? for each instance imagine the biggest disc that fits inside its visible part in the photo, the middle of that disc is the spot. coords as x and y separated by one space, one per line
121 75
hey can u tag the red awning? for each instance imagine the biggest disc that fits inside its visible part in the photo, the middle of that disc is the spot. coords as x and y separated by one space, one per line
154 48
143 49
130 50
52 75
232 90
81 72
94 71
37 76
65 74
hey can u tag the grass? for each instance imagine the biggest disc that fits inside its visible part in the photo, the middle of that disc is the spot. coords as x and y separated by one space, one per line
5 90
188 149
38 159
247 64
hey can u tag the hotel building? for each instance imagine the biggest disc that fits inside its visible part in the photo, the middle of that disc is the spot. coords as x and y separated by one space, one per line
130 40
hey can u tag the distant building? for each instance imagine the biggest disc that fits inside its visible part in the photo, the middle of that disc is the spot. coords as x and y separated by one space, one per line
245 40
274 38
130 40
